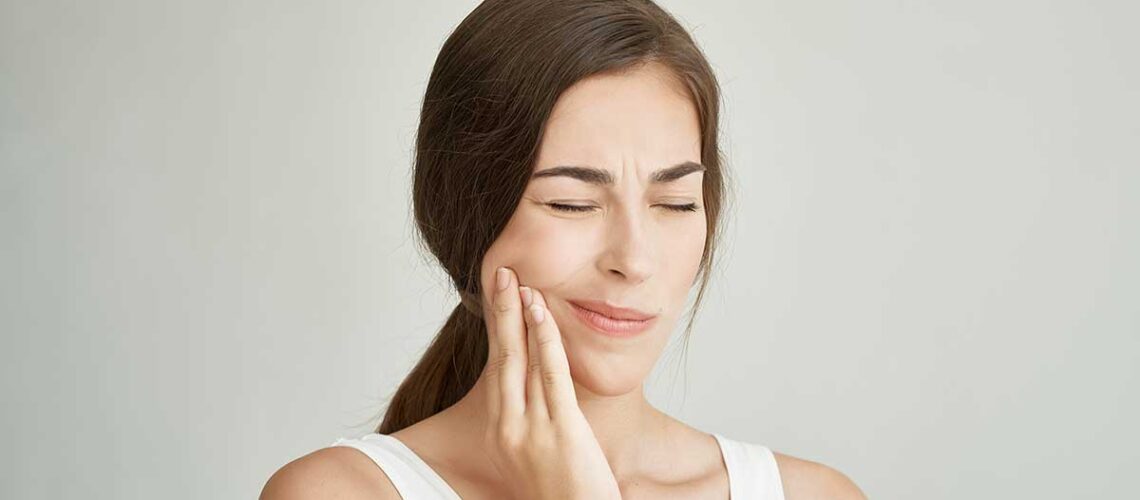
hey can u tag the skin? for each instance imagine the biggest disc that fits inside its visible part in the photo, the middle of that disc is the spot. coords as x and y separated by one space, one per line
628 249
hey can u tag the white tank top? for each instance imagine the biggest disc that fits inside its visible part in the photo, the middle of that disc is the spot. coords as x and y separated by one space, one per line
752 471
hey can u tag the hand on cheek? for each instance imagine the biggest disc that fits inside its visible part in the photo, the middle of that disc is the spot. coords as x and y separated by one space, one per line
538 434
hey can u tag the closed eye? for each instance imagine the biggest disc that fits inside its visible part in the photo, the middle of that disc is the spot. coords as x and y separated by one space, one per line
570 208
688 207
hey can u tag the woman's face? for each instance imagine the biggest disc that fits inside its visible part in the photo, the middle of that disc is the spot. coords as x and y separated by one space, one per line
632 244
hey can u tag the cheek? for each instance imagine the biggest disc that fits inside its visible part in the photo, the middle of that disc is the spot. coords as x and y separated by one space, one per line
684 252
542 252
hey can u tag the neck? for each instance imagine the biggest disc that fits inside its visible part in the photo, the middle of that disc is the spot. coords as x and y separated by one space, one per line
624 425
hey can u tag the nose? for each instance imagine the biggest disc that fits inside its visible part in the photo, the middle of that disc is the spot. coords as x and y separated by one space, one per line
630 252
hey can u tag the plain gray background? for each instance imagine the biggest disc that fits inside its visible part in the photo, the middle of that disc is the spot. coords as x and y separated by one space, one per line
930 280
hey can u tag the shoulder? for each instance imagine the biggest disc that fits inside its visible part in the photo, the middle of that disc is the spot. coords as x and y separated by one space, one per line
333 472
807 480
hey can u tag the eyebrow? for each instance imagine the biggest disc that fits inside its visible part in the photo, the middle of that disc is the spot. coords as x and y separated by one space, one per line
603 177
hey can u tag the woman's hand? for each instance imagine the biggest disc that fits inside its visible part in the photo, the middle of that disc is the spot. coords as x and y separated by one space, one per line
538 438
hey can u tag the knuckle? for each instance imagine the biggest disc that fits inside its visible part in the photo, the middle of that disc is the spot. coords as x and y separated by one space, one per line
546 340
548 442
506 354
510 438
510 351
502 307
550 377
534 368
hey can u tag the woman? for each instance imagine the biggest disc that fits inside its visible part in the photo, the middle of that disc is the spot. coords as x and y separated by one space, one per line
568 178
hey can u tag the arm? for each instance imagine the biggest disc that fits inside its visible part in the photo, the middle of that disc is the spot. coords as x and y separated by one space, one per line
333 472
807 480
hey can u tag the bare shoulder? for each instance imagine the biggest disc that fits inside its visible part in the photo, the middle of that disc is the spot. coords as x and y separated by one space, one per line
334 472
807 480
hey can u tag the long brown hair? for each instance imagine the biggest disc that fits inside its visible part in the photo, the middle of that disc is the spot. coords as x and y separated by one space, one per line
491 90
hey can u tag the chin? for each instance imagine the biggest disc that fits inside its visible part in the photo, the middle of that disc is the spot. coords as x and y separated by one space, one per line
606 381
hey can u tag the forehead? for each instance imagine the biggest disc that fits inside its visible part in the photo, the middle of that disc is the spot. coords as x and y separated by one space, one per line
643 115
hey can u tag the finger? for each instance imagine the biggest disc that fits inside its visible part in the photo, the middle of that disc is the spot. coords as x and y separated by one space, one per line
511 355
558 387
535 399
491 369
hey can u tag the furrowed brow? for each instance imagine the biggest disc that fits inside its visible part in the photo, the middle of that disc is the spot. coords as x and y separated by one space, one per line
602 177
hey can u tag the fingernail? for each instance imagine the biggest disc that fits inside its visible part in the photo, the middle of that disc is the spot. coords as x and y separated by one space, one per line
527 297
504 278
537 313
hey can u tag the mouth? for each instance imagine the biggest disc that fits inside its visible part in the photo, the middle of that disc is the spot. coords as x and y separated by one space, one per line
611 320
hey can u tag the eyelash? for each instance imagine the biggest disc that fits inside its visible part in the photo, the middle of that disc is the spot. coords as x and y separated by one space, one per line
689 207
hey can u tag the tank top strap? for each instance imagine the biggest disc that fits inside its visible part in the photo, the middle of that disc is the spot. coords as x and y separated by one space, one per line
752 470
411 476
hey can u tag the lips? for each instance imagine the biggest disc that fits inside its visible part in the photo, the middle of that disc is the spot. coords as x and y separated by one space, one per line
610 325
612 312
